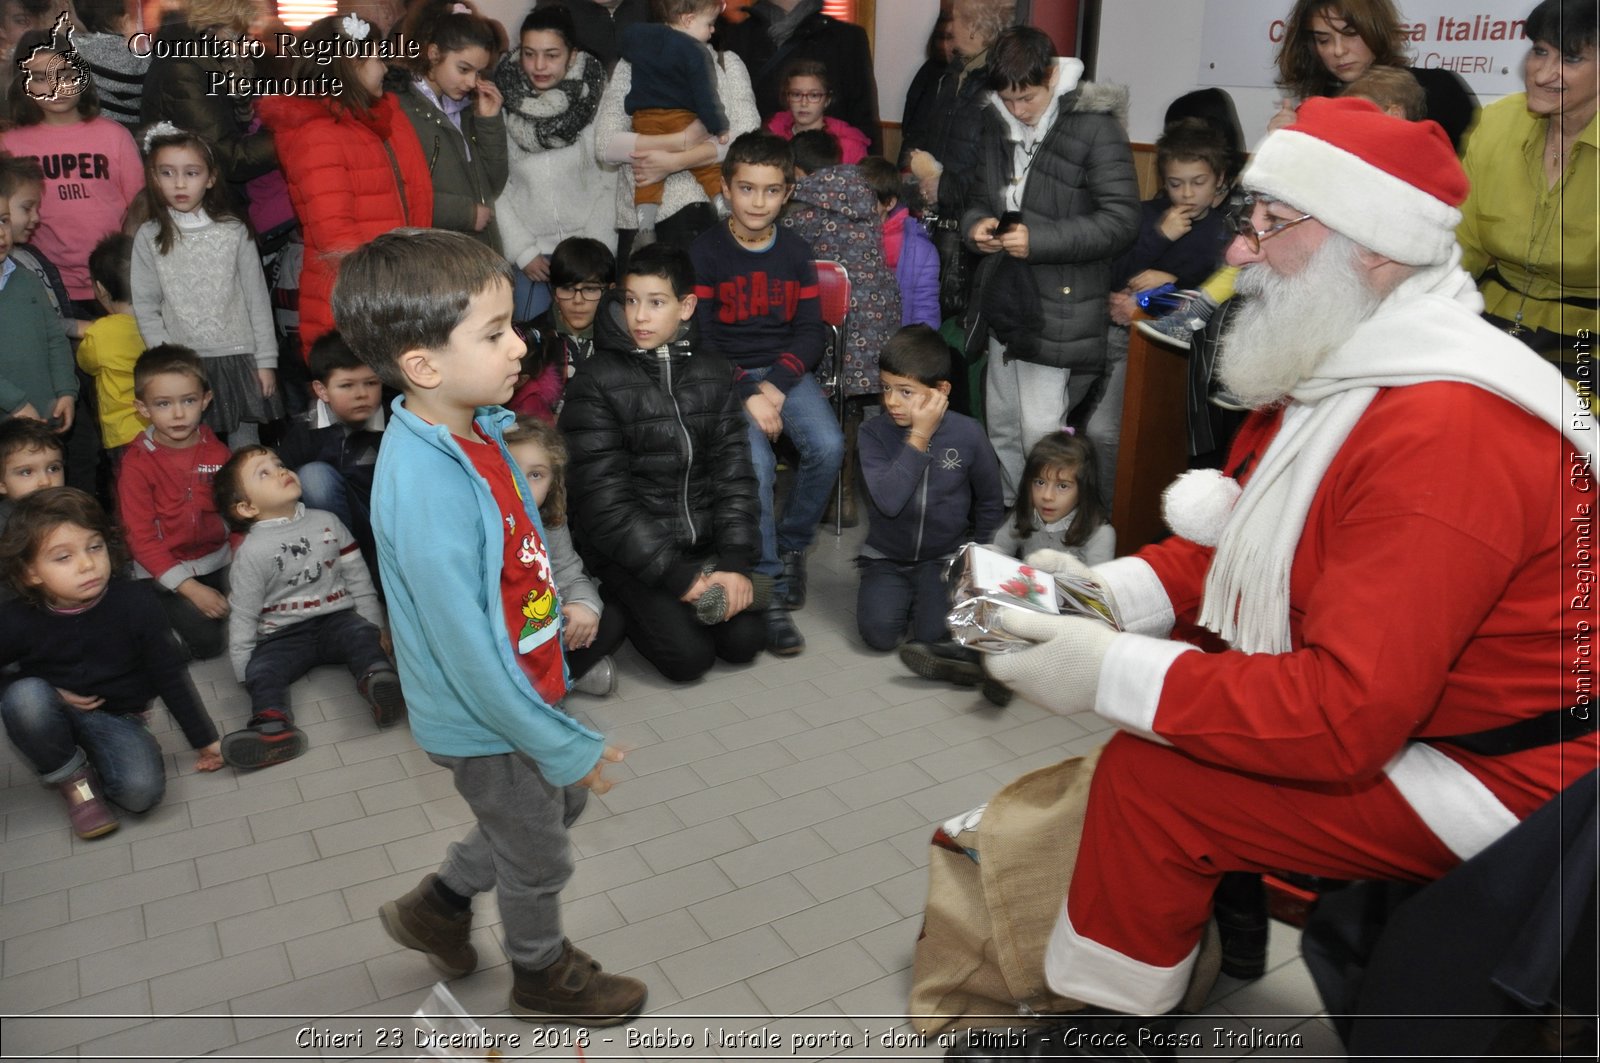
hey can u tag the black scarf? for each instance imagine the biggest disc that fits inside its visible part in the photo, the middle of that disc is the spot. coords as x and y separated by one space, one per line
554 118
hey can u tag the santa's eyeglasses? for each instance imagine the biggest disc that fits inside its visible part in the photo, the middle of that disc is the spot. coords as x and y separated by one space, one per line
1245 222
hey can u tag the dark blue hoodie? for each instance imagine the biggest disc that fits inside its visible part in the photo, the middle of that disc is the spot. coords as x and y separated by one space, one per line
920 505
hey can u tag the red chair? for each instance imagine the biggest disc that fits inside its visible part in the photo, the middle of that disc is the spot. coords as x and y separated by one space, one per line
833 287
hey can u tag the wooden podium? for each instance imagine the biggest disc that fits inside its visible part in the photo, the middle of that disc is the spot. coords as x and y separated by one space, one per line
1155 439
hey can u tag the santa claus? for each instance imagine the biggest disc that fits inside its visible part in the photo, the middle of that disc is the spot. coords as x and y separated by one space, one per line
1395 587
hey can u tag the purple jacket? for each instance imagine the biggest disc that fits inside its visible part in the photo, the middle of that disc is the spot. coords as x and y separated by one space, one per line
917 273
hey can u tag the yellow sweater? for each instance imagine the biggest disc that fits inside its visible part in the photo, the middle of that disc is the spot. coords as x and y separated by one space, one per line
107 352
1542 240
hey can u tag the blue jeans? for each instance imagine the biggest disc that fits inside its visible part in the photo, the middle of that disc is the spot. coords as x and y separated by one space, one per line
58 740
898 594
532 297
809 420
323 487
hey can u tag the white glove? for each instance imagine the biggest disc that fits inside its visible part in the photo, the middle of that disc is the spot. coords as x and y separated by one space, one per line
1061 563
1062 673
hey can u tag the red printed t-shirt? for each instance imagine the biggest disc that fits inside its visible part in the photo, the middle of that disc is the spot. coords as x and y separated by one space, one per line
527 589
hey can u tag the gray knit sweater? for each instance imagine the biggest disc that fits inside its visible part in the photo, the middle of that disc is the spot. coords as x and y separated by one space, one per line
1101 547
208 293
293 569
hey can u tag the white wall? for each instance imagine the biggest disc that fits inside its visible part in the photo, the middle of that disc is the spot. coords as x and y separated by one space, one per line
898 42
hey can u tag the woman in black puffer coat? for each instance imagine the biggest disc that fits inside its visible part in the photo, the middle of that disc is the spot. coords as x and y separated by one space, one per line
662 492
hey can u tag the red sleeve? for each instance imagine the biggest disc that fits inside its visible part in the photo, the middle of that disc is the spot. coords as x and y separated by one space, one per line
136 497
1424 599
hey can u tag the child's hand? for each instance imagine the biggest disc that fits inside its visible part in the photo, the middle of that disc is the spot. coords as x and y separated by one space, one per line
269 382
81 702
1150 279
982 234
927 410
489 100
581 624
722 138
61 412
595 782
482 215
1015 241
209 758
765 415
1122 306
738 589
209 602
1175 223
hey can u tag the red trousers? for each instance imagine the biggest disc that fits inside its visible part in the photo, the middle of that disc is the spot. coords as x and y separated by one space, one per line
1162 827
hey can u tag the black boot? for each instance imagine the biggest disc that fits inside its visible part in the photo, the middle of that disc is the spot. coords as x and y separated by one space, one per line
793 580
783 638
1240 908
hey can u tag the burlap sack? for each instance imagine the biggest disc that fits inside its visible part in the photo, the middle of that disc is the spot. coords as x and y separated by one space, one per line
980 958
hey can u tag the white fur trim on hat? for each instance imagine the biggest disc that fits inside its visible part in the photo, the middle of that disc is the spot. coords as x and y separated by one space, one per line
1197 505
1354 198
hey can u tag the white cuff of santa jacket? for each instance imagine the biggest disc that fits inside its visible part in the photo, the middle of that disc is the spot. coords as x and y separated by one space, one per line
1086 970
1132 674
1142 605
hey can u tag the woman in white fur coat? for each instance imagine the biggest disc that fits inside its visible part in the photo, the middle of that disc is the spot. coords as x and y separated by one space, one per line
556 188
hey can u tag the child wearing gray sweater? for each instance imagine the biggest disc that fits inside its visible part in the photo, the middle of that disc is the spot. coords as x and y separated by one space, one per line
299 596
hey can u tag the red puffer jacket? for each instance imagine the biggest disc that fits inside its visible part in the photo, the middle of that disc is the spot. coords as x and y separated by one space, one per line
351 178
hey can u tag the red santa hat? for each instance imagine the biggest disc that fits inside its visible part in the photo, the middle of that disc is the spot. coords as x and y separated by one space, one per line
1388 184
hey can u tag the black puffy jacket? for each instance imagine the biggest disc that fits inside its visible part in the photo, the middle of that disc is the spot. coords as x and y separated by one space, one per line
949 126
659 478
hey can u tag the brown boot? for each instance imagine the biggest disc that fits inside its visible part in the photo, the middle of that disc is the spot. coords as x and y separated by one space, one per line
574 988
90 815
421 921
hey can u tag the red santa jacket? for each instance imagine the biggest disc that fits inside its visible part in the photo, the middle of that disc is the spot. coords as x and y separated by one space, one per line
351 177
1431 594
164 497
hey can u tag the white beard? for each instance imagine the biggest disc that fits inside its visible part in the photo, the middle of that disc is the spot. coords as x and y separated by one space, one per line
1291 321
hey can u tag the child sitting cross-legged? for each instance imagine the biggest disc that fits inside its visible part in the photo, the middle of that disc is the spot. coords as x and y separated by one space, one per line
299 596
93 650
931 482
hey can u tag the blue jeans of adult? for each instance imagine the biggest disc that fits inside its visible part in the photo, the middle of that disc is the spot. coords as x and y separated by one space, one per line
532 297
59 740
343 638
895 595
809 420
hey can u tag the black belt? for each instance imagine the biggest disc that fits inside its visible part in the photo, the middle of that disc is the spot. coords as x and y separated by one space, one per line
1575 301
1546 729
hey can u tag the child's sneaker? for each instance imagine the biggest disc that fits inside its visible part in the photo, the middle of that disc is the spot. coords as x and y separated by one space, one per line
420 920
1177 328
381 688
91 817
269 738
599 681
943 662
574 988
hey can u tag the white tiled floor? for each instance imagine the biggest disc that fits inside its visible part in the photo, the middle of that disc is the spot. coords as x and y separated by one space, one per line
760 866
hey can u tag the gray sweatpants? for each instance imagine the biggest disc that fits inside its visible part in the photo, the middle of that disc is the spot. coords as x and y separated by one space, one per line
518 847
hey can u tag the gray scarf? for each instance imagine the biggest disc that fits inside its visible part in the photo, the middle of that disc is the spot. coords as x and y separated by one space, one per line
781 24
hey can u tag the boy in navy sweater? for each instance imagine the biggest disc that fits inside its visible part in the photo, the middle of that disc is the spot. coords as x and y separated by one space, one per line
756 283
929 476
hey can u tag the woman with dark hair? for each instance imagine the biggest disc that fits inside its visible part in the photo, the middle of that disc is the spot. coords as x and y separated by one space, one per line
457 114
556 186
1328 44
924 90
357 170
1528 226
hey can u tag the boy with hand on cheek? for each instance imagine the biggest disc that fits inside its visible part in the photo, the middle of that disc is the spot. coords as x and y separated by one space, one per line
475 617
931 482
174 532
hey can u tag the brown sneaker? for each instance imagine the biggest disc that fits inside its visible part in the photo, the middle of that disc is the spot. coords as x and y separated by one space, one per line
91 817
421 921
575 989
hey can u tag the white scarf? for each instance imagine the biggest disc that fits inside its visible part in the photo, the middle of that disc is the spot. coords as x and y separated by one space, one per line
1427 329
